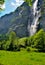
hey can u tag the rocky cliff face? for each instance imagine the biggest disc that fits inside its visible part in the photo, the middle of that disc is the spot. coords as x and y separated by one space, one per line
18 21
42 21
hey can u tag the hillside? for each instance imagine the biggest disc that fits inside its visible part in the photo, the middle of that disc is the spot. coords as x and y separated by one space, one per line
18 21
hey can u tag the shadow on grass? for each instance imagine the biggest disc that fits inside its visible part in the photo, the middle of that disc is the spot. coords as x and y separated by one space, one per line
41 51
1 64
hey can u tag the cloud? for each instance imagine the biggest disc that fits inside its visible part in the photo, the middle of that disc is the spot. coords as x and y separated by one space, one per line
12 3
2 6
17 3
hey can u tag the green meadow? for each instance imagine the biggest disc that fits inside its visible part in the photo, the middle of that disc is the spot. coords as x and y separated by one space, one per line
21 58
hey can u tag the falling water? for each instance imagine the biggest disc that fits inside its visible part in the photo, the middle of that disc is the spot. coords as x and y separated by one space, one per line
37 13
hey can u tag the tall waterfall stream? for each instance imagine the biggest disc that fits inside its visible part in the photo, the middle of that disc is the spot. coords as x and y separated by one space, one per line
37 14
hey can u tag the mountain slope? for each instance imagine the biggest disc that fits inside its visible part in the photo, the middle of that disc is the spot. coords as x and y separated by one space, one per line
16 21
42 22
19 19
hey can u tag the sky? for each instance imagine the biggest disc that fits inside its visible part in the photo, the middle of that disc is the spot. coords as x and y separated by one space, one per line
10 6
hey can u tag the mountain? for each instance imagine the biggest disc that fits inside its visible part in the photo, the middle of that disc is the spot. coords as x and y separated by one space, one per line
42 22
18 21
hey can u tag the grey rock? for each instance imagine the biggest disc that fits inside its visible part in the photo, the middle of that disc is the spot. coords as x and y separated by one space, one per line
17 21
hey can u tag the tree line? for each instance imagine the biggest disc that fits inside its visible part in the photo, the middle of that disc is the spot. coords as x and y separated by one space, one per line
11 42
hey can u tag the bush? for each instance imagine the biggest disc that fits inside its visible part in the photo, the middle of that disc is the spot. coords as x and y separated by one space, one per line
38 40
28 49
22 42
13 43
30 40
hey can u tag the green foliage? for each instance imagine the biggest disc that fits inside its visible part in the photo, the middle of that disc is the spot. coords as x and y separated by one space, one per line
13 43
10 42
38 40
29 2
23 41
30 40
28 49
6 41
2 1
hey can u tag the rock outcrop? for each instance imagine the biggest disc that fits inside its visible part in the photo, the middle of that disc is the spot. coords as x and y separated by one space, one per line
18 21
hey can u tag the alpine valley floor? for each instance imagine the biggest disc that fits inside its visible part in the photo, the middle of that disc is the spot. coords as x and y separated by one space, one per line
21 58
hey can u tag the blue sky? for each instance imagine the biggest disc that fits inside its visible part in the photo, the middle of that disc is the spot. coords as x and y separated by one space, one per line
10 6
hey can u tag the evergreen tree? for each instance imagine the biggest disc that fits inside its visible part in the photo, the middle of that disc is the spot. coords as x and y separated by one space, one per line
29 2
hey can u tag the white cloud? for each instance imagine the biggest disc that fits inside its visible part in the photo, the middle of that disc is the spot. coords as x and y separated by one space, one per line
17 3
12 3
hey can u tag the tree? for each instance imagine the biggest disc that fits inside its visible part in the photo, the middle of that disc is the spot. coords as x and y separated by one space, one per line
2 4
22 41
12 38
2 1
29 2
39 40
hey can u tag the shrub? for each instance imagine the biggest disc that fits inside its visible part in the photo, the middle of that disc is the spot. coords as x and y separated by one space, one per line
14 43
30 40
39 40
22 41
28 49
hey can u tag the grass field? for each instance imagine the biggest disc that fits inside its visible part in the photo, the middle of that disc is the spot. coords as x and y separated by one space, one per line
21 58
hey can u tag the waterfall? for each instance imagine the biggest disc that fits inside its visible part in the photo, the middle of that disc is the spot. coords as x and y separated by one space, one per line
37 14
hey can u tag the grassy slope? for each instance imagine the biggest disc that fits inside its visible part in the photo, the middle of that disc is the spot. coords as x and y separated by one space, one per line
22 58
